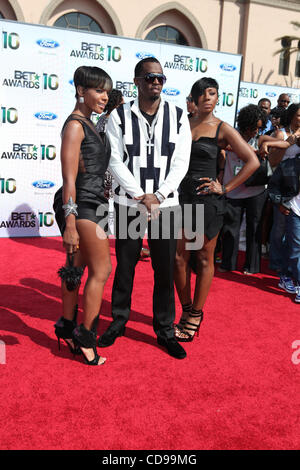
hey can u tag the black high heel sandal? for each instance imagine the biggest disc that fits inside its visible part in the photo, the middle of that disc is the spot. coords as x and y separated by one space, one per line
64 329
186 309
191 327
84 338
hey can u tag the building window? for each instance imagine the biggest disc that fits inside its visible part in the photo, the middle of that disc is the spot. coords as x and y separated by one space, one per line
297 67
167 34
78 21
284 59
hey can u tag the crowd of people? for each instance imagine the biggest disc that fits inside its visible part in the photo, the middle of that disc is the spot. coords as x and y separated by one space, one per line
162 165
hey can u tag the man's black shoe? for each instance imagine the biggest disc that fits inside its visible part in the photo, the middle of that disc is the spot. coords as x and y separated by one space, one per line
110 335
173 347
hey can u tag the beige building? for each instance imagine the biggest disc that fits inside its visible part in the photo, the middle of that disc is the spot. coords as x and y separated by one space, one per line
247 27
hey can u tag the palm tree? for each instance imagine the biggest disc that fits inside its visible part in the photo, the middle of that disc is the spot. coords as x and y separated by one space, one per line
287 42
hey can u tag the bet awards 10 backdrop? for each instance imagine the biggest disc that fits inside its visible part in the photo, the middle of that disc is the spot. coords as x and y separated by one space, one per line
37 94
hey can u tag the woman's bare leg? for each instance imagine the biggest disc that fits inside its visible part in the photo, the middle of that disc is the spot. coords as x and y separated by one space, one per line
94 249
182 272
205 274
70 298
182 277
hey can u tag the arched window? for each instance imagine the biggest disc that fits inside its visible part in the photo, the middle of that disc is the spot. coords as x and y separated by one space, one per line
284 59
78 20
166 34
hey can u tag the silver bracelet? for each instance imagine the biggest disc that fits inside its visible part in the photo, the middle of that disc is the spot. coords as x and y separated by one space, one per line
70 208
159 197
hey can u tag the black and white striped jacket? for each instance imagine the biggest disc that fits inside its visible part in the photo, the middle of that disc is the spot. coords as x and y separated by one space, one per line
145 158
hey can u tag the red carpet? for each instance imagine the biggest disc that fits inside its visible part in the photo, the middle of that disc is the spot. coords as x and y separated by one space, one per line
237 389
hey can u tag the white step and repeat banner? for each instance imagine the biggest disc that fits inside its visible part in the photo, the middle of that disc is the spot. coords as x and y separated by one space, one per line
251 93
37 95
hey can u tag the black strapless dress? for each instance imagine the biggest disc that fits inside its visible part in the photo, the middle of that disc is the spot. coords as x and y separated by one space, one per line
93 163
203 163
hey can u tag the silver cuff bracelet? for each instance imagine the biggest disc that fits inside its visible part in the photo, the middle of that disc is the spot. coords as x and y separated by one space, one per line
70 207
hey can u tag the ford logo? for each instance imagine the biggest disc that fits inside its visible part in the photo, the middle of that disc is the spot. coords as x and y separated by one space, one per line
271 94
43 184
228 67
48 43
71 82
143 55
171 91
45 116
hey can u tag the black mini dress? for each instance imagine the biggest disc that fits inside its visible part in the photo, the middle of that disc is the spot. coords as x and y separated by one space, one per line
203 163
93 163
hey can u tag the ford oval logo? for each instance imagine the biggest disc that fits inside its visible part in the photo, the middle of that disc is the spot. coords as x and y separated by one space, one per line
45 116
48 43
171 91
271 94
143 55
43 184
228 67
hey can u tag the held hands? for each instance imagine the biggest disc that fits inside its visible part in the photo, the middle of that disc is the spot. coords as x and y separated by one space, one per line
71 240
151 204
209 186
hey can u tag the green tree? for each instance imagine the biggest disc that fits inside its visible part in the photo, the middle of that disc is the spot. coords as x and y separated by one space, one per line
290 44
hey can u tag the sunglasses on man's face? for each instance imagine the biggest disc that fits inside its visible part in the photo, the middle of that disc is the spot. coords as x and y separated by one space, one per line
151 77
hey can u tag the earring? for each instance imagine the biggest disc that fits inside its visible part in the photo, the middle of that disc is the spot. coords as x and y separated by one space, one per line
81 99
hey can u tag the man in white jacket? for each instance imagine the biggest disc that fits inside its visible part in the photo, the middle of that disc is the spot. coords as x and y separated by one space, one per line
150 150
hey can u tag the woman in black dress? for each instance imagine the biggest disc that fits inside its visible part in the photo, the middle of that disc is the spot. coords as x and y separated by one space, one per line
84 158
201 186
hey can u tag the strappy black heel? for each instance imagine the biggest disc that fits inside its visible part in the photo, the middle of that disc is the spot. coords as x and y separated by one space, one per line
84 338
186 309
64 329
184 336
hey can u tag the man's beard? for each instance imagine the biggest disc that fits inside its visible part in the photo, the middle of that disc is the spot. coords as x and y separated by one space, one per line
154 97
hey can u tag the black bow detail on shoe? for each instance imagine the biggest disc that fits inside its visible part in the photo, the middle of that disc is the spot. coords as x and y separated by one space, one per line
84 338
64 330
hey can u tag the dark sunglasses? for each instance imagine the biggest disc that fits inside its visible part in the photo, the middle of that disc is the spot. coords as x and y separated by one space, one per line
189 99
150 78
